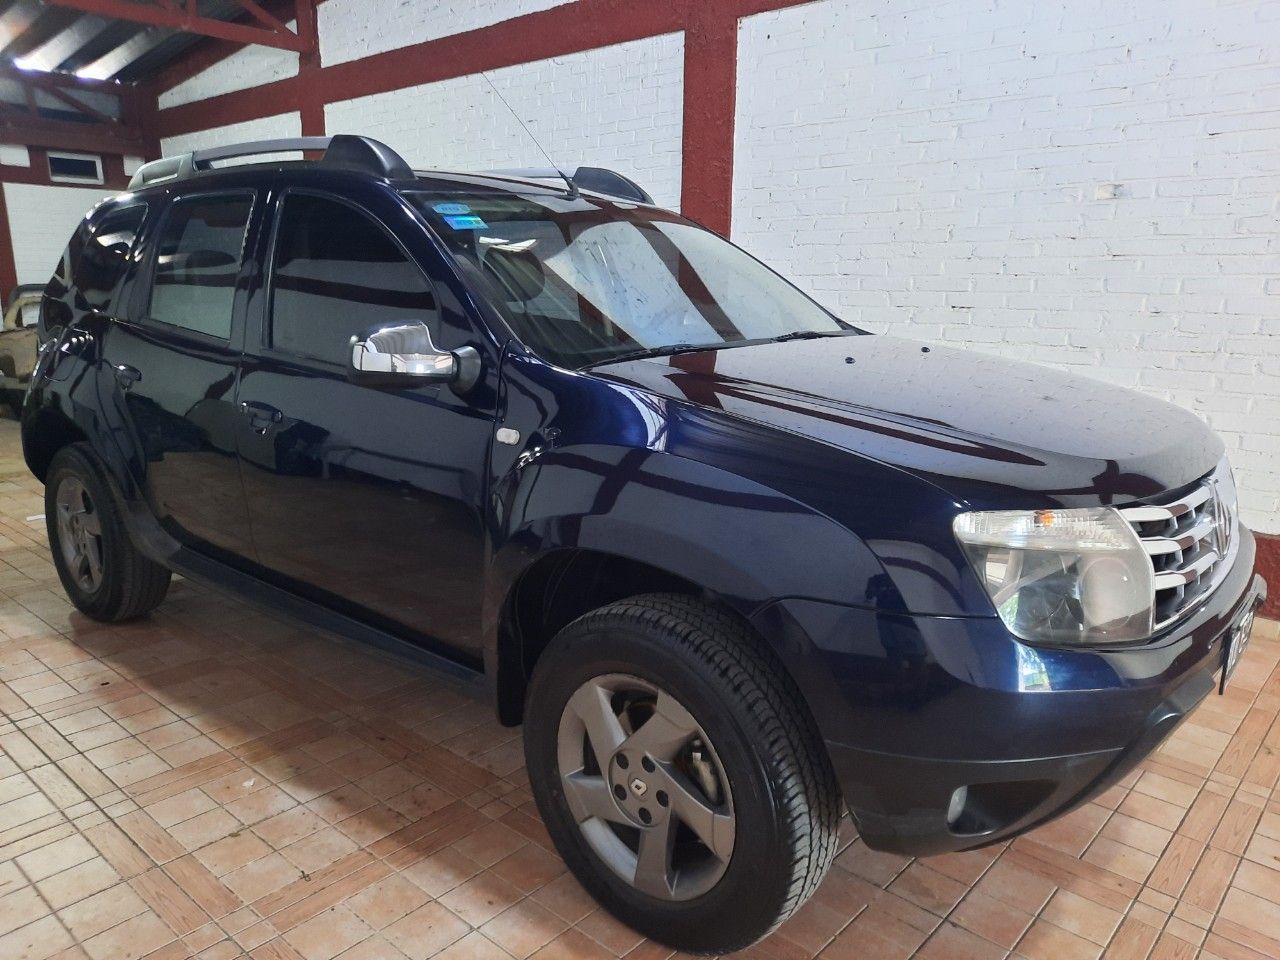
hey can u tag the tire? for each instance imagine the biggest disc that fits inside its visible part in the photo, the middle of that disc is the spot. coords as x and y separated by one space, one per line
111 581
727 882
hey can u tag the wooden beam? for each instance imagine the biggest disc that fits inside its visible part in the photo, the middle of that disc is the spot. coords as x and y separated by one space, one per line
186 21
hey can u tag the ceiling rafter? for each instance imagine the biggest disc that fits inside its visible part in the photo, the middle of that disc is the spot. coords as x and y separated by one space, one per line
185 17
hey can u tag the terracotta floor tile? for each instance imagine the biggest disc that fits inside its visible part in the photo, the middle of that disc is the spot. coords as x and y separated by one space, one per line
130 940
328 934
481 898
995 921
1082 917
101 911
387 901
426 931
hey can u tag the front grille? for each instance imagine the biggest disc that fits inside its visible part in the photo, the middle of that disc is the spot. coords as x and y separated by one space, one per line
1191 542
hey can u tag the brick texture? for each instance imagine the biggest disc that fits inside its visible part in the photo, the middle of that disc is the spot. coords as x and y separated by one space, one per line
618 107
350 29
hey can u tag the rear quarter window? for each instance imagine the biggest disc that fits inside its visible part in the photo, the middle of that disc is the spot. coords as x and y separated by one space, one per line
199 251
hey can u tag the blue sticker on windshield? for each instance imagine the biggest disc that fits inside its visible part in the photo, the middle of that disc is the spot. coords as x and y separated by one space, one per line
467 222
452 209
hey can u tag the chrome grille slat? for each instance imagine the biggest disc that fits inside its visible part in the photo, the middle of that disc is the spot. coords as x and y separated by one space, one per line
1168 511
1190 542
1159 546
1170 579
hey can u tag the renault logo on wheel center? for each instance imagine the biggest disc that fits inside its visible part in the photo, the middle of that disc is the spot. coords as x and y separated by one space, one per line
639 787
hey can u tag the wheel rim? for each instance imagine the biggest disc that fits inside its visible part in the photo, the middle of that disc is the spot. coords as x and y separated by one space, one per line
79 534
646 787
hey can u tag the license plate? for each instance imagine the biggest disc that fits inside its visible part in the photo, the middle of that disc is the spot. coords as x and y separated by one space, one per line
1233 646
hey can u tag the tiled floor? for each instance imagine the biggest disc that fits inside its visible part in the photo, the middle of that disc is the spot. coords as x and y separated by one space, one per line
215 782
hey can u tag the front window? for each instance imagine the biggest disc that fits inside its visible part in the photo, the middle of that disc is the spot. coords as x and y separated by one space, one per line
583 281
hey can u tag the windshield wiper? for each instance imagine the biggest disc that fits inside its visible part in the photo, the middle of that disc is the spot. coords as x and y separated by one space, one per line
807 335
667 350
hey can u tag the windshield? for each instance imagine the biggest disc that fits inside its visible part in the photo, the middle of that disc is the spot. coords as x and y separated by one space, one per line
584 281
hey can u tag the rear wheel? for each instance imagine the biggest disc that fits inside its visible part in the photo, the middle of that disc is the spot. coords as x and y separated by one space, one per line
104 574
679 773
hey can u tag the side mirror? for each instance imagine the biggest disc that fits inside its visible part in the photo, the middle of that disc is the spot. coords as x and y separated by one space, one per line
403 354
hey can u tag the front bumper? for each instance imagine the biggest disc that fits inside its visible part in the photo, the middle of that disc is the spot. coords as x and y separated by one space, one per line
915 708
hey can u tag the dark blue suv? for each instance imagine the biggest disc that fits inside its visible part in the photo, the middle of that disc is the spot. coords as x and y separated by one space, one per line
734 563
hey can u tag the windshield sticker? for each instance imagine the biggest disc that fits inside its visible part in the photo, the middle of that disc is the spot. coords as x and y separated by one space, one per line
465 222
452 209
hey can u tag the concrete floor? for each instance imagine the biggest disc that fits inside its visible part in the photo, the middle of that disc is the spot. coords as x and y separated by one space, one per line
213 781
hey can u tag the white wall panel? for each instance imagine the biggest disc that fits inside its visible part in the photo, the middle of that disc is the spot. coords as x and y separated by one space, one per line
41 221
618 107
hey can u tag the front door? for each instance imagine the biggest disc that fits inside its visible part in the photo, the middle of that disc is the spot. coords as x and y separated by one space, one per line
369 500
175 364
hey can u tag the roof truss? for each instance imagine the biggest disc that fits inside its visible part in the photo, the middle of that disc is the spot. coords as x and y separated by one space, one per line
183 15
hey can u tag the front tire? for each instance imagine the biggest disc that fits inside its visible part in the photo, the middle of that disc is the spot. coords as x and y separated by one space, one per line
104 574
678 772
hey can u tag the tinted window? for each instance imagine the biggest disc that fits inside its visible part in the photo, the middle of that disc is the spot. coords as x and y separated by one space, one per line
336 274
198 262
105 256
584 281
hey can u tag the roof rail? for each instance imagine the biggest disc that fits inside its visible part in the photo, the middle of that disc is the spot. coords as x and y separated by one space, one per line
595 179
341 150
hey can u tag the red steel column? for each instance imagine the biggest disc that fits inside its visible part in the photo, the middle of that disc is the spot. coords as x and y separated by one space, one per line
710 99
8 269
311 100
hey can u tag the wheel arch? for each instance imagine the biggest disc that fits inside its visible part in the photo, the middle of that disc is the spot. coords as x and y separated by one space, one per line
563 584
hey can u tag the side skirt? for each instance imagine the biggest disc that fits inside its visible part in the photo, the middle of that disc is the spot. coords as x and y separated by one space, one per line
204 570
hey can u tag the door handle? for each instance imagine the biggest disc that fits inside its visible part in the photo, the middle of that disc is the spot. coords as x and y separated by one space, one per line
262 416
126 375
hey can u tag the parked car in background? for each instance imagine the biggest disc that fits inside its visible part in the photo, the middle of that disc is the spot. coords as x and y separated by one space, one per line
734 563
18 343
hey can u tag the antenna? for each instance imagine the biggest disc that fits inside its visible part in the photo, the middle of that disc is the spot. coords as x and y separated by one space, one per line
573 187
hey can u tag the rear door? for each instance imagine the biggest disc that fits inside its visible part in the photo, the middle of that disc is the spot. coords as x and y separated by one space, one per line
175 363
370 500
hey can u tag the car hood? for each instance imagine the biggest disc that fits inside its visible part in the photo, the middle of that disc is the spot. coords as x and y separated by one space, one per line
992 432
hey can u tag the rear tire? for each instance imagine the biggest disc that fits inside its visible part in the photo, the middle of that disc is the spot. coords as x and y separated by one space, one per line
104 574
733 785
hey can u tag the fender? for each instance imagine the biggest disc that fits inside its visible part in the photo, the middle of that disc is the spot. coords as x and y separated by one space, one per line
604 467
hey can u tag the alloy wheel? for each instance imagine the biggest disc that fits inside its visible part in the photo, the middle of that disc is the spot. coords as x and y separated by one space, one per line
79 534
646 787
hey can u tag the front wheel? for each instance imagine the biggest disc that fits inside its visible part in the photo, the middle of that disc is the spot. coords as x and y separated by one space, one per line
679 773
104 574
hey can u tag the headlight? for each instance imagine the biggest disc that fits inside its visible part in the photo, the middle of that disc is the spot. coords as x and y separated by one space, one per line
1062 576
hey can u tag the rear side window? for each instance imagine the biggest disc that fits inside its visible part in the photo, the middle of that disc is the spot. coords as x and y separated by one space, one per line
105 256
337 273
198 262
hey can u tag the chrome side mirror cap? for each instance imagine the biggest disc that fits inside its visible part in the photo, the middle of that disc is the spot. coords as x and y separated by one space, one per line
403 354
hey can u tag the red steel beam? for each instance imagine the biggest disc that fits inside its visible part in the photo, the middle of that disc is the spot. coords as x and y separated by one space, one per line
185 20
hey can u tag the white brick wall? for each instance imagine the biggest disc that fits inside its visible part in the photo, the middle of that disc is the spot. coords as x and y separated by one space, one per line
41 221
266 128
249 67
1085 184
619 107
359 28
